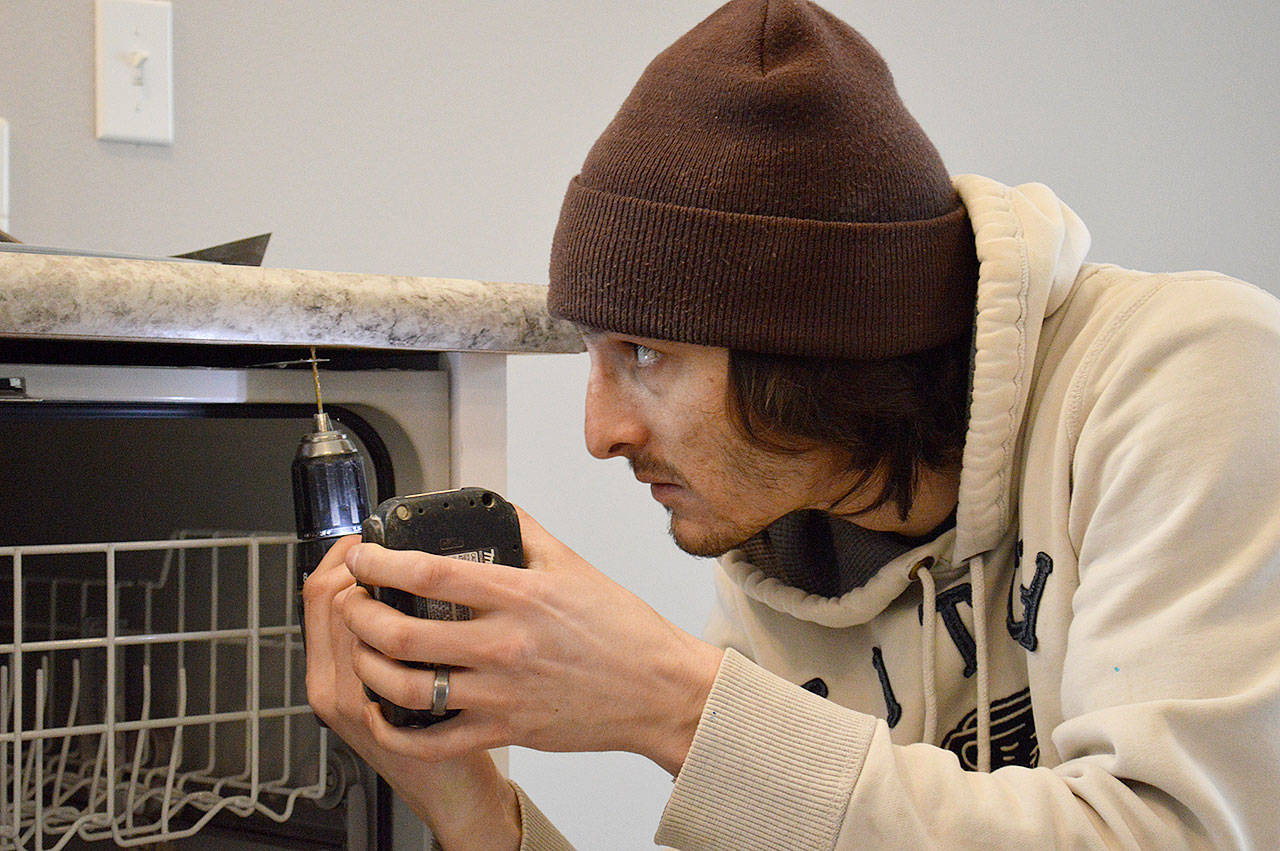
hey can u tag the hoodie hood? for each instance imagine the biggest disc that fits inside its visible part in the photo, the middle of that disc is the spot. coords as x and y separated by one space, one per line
1030 248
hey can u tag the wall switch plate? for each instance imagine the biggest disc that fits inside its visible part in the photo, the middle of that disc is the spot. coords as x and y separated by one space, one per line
134 80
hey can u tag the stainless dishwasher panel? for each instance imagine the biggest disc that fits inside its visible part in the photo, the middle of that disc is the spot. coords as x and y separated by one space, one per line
151 673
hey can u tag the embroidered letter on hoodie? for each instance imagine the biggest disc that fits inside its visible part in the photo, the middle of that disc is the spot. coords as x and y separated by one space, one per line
890 702
948 605
1024 631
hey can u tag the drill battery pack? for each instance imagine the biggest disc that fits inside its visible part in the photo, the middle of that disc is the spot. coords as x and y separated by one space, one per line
472 524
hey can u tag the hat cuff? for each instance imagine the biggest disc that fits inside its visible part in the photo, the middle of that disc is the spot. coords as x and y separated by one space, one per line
774 284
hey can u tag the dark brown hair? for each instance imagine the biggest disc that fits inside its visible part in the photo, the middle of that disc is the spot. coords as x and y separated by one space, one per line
892 417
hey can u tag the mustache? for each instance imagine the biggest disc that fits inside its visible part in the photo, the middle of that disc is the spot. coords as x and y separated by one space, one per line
643 466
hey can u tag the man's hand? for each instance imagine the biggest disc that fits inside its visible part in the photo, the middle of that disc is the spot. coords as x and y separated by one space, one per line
465 801
557 657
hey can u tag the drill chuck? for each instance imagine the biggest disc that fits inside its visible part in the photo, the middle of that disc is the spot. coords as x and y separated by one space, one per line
330 493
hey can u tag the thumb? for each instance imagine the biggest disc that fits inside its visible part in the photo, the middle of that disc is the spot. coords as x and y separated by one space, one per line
541 548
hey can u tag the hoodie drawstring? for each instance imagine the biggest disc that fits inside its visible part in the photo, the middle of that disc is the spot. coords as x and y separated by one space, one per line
977 573
928 654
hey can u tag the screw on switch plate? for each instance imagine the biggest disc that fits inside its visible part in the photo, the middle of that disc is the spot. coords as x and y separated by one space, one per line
134 47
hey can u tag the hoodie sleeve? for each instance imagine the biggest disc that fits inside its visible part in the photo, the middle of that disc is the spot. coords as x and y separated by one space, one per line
1171 676
1170 687
537 833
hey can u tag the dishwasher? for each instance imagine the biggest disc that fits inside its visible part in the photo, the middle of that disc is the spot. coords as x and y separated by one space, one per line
151 665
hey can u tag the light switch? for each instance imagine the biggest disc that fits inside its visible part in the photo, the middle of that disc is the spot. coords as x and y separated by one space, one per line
134 47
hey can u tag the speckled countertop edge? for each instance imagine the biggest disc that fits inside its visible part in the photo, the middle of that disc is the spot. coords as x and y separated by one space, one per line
99 298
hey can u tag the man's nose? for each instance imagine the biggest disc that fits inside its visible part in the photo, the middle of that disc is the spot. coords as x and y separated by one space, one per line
612 424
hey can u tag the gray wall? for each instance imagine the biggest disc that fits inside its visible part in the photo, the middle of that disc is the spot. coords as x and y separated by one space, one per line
428 137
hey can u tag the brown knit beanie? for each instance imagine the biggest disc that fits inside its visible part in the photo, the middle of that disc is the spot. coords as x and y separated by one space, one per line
764 188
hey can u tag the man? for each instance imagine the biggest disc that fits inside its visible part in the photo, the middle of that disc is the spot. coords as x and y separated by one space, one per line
1000 529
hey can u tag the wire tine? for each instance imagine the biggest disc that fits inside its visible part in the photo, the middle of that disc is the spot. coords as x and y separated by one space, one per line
37 752
182 604
4 741
138 746
286 760
213 656
16 685
175 754
4 745
112 696
253 665
97 795
72 709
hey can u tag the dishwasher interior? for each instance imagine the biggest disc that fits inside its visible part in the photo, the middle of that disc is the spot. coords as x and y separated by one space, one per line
152 676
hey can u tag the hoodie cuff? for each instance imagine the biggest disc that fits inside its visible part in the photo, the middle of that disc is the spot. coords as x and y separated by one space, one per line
537 833
772 766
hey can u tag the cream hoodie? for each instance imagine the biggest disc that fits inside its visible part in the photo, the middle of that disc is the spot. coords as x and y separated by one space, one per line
1104 619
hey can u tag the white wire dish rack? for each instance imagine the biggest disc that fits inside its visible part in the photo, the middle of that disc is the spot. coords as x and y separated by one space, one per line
148 686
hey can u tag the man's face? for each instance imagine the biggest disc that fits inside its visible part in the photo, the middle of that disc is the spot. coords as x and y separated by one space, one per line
664 407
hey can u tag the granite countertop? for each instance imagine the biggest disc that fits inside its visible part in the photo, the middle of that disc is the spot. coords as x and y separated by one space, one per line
52 297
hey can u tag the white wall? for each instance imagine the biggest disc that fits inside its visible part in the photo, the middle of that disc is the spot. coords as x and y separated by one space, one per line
432 137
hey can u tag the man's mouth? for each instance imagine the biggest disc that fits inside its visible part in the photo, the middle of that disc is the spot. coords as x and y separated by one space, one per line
663 483
663 492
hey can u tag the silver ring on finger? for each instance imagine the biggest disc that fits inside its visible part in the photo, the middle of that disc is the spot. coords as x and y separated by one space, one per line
440 692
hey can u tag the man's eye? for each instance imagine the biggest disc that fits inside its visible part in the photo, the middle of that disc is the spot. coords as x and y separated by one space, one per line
645 356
